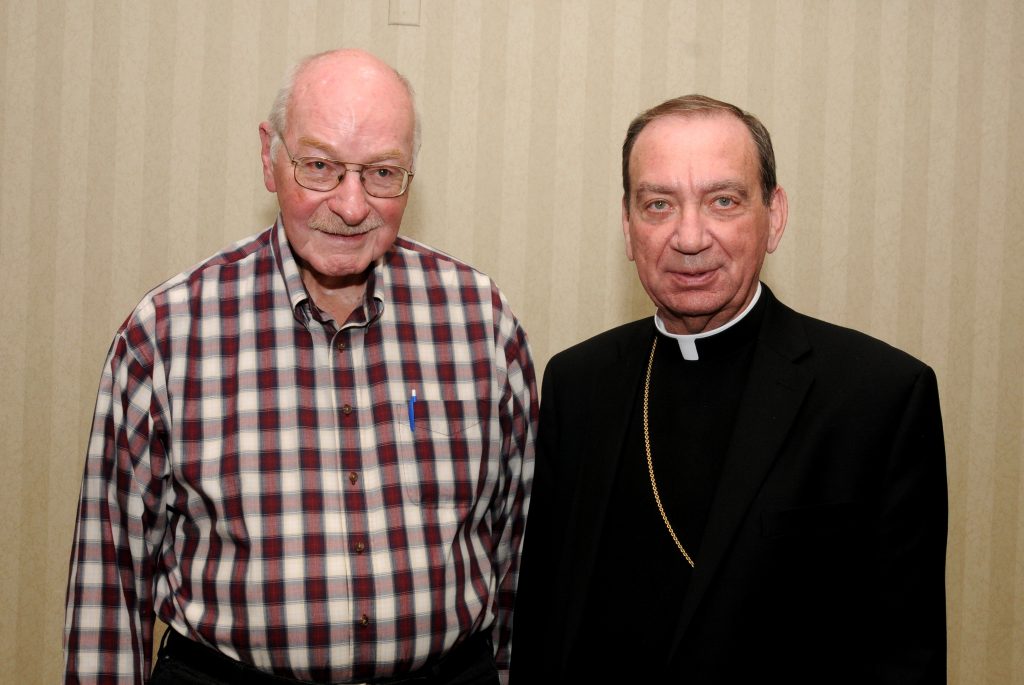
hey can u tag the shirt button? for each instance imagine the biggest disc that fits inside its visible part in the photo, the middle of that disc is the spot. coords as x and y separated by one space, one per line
341 346
353 477
360 547
346 410
364 620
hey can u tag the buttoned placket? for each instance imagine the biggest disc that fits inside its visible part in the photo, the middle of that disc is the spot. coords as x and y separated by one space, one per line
355 522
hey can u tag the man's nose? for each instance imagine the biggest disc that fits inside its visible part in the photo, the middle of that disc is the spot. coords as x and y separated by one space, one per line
691 235
348 200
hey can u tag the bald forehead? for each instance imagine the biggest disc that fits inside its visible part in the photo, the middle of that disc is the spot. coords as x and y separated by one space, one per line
352 93
354 70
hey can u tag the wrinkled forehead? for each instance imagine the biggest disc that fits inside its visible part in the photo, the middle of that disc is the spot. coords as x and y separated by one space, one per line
360 99
721 127
702 142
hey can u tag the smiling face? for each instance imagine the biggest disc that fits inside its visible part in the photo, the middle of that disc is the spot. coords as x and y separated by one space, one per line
695 222
344 106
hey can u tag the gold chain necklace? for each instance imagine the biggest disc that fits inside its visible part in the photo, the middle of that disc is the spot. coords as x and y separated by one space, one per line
650 464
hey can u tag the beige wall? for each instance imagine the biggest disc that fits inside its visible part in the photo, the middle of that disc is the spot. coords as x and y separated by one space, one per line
129 150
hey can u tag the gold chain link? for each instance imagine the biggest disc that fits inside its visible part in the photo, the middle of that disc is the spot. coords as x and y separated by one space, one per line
650 464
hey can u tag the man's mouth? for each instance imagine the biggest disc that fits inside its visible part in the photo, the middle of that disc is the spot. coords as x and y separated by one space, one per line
693 276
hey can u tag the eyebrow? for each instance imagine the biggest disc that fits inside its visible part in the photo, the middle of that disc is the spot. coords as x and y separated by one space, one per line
654 188
383 156
731 185
738 187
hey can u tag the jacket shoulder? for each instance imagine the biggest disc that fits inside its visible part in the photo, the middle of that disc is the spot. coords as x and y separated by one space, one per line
837 344
839 357
604 348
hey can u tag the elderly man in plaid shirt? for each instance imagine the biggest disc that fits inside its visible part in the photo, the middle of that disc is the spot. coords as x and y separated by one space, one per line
311 454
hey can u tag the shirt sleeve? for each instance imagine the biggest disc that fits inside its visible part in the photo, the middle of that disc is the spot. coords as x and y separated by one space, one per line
108 627
519 426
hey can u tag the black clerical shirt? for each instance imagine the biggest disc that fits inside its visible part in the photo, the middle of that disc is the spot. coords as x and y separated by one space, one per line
640 578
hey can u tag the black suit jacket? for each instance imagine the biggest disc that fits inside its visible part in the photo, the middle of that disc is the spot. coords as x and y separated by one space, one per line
823 556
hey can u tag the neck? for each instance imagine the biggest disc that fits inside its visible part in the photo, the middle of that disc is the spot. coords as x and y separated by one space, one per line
339 297
687 340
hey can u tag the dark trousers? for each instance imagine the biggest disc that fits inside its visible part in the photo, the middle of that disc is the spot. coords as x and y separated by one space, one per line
184 662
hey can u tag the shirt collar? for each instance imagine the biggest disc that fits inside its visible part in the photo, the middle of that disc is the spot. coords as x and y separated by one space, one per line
688 343
289 269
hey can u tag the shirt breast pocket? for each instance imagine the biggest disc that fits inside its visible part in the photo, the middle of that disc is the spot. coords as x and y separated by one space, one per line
440 447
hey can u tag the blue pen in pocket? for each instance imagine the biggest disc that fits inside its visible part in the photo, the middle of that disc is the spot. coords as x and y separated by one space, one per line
412 412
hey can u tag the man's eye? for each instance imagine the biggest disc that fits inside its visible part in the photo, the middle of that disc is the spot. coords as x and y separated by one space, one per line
724 202
314 165
658 205
382 171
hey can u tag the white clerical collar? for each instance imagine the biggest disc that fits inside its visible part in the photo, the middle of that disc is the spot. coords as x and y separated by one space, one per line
688 343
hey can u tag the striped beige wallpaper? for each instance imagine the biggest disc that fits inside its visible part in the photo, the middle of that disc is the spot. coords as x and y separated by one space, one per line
129 150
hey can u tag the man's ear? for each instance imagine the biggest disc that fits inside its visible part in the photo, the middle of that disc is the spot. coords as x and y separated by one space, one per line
625 227
778 213
266 135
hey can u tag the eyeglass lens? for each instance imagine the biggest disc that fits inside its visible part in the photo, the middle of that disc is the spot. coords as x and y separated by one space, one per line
324 175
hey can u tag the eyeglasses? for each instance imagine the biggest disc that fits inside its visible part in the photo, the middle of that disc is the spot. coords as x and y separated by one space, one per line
323 175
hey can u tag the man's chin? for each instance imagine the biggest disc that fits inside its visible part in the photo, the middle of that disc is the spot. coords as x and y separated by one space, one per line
695 304
691 315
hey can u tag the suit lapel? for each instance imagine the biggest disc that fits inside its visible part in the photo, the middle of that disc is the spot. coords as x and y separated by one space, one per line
775 391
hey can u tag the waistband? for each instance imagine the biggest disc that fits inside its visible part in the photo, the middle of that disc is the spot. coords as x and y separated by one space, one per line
475 652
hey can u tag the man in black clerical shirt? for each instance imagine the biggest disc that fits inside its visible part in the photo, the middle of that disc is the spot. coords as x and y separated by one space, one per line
731 491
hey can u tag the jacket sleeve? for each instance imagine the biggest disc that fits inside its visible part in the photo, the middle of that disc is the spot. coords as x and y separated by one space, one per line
536 605
910 642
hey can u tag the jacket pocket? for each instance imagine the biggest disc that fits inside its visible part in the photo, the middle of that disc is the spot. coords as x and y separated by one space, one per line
821 520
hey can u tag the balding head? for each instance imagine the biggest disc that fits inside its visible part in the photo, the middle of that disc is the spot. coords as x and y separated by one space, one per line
357 73
348 112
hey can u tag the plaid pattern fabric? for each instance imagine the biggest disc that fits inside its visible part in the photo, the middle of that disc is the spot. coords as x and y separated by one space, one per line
254 477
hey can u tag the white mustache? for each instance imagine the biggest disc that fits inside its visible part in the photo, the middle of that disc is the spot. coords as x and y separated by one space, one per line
326 221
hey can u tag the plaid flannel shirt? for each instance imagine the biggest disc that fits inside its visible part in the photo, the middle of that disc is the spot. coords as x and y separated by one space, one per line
258 478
